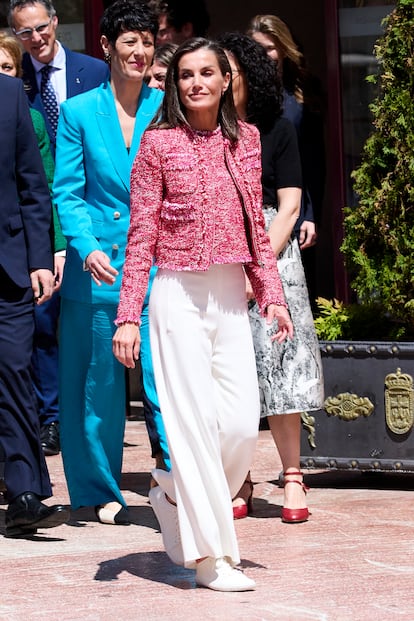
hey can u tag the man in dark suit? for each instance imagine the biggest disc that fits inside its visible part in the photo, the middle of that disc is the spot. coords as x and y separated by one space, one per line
180 20
68 73
26 278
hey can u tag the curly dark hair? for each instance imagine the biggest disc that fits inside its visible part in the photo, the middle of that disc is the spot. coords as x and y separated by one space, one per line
264 89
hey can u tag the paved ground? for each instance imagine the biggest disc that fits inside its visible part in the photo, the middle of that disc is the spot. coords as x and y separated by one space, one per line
353 560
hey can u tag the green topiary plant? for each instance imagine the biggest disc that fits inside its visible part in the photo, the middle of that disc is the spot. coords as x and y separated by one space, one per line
379 233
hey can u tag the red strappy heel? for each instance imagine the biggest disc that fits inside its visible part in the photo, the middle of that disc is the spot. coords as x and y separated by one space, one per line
242 511
294 516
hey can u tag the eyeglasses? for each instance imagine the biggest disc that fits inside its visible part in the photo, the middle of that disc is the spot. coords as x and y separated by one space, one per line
27 33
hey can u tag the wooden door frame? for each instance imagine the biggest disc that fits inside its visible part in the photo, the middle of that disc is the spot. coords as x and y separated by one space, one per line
93 10
336 183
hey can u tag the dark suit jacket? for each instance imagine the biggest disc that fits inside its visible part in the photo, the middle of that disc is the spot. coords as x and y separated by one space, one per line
25 208
82 74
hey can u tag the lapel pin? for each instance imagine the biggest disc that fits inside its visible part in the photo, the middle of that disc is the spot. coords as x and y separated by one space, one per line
77 81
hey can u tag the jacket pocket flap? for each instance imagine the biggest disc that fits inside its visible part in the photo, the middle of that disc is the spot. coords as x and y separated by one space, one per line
15 222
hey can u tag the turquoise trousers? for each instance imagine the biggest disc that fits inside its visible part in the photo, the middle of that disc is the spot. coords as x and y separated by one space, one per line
92 401
153 418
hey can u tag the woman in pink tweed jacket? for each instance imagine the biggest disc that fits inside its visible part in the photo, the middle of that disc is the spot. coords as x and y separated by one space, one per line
196 211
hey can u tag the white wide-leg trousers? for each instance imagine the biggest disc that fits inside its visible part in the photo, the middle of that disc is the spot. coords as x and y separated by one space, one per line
206 379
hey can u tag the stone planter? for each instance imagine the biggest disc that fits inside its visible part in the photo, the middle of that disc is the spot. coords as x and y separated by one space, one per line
368 416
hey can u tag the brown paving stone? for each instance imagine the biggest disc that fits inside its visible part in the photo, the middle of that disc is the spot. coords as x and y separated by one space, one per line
353 560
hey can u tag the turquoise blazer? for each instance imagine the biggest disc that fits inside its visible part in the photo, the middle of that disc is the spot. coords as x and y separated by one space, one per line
91 185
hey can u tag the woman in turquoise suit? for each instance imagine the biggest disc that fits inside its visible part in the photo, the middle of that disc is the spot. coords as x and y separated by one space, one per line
98 137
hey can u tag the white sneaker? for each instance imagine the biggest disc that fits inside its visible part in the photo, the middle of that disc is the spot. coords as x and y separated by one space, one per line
219 575
167 517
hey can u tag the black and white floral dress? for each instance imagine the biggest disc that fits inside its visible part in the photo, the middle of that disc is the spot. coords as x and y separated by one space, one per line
290 374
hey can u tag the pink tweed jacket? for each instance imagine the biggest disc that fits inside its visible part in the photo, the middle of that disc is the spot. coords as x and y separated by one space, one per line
172 221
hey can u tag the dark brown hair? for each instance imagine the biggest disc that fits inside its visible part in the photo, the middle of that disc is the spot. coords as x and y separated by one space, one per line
172 112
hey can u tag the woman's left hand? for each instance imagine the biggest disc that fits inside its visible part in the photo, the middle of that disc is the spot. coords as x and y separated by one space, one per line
285 326
126 344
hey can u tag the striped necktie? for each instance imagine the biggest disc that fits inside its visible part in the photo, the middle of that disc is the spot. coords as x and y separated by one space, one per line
48 96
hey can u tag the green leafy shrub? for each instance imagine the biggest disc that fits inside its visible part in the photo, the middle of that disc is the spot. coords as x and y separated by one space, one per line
379 233
330 320
357 322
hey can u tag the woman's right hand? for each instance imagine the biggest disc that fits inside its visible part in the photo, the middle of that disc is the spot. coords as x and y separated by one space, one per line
285 326
126 343
100 268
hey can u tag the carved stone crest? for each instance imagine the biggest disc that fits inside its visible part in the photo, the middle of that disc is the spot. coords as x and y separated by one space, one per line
399 402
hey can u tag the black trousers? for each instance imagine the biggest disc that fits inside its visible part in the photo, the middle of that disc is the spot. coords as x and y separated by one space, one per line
23 460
